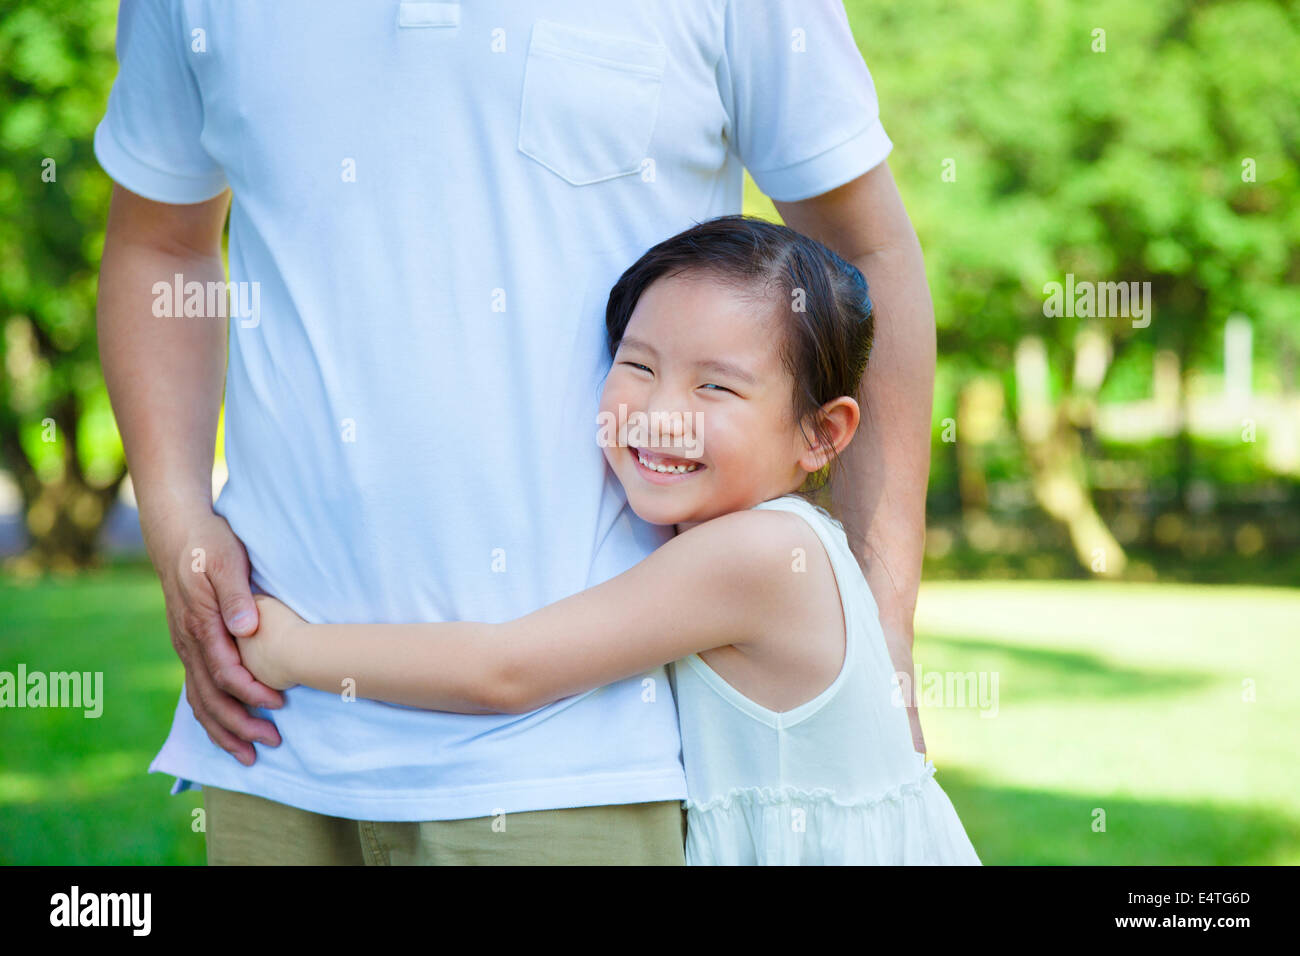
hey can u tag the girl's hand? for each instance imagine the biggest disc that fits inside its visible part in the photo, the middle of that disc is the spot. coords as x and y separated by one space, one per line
269 651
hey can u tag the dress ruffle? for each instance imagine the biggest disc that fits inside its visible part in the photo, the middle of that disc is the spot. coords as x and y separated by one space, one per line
774 796
913 824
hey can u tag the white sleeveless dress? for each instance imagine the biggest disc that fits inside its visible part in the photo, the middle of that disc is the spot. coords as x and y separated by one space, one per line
834 781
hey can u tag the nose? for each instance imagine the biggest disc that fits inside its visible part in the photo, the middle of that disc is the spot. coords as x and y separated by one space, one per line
669 409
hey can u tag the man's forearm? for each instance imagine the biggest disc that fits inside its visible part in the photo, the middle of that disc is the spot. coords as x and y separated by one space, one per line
881 496
164 375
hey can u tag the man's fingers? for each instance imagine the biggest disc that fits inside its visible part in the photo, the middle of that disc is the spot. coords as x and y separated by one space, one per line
220 657
208 594
241 751
224 717
236 681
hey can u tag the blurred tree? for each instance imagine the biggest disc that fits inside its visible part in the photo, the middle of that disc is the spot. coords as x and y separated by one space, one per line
1035 138
1153 142
56 432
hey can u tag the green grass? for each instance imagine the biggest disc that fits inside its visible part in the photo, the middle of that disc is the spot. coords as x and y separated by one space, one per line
1123 698
74 789
1126 698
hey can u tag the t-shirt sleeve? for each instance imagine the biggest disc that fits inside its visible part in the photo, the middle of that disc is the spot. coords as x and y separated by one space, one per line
149 138
801 102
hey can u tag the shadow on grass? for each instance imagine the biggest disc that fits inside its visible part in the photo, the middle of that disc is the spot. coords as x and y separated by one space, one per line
1056 674
1011 825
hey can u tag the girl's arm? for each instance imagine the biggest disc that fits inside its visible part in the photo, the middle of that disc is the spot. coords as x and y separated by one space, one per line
722 582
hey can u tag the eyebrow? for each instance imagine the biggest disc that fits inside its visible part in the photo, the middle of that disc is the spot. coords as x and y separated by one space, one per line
716 365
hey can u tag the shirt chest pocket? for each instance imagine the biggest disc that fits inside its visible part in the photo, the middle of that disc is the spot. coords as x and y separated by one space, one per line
590 102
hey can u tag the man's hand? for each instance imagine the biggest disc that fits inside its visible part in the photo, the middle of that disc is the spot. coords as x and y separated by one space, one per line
267 654
165 378
204 573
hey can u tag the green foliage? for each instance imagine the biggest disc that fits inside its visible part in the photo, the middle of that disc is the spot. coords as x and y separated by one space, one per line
1123 165
56 67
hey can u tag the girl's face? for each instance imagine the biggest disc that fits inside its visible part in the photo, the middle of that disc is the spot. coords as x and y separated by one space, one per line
702 389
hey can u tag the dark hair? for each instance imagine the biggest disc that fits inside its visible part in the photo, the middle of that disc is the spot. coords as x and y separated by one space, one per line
826 345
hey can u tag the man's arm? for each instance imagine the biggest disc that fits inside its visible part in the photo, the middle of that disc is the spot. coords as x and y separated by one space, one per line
881 495
165 377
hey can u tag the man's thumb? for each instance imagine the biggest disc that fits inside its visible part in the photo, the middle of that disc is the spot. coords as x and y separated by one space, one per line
240 616
235 598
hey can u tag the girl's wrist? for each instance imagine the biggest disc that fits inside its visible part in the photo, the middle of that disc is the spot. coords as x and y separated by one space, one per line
289 653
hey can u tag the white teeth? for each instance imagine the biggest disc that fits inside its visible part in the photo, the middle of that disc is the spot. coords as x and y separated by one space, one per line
666 469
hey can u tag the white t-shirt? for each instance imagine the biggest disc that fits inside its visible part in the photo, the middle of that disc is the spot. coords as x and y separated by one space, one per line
433 200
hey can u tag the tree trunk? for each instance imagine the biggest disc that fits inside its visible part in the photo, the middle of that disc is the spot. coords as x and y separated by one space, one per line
64 514
1054 450
1057 471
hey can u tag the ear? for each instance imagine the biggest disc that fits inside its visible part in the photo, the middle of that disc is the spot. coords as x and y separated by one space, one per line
840 417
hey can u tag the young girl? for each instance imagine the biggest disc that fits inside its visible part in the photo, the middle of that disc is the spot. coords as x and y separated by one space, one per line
737 346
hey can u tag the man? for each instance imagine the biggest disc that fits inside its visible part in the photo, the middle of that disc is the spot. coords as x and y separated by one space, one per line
428 205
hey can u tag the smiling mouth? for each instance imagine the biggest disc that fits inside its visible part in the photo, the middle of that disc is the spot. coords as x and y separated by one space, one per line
664 464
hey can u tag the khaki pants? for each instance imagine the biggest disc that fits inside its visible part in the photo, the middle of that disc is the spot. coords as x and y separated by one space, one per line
252 831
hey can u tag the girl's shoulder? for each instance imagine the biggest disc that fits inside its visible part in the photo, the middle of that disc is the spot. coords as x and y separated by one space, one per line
796 646
768 536
798 504
810 521
776 547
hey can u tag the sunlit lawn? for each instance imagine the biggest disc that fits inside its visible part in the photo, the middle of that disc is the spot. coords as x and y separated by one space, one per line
74 789
1117 698
1132 700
